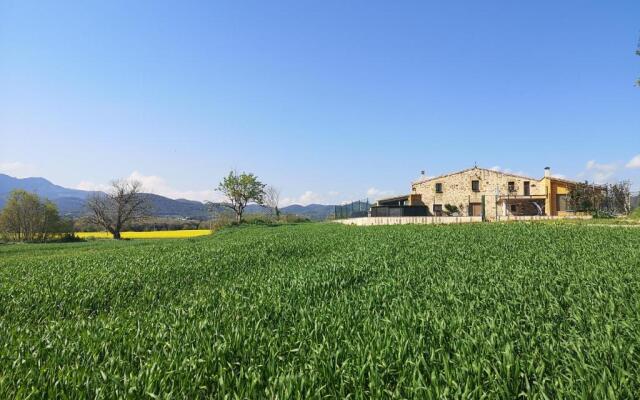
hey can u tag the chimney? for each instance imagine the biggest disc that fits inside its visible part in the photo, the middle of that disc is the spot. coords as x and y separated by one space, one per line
547 172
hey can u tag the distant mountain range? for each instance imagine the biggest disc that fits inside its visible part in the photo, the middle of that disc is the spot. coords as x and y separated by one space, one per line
71 202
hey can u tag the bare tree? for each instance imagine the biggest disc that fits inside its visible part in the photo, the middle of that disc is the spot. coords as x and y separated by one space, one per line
272 200
122 204
239 190
619 197
220 214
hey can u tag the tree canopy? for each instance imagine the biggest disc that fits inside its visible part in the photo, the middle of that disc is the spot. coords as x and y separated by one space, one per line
240 190
27 217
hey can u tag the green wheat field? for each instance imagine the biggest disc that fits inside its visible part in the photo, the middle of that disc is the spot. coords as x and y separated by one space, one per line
327 311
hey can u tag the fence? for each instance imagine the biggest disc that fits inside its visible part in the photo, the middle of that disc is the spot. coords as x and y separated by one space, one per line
371 221
399 211
357 209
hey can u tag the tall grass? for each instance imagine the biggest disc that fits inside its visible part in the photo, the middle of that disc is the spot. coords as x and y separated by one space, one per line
320 310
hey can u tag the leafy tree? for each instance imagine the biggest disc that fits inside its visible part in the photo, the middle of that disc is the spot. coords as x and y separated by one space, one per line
122 205
585 197
240 189
26 217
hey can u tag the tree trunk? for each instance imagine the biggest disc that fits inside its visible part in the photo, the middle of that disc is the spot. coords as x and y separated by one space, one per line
238 217
116 235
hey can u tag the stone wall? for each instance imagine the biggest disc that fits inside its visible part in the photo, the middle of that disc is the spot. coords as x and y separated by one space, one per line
372 221
369 221
457 190
506 218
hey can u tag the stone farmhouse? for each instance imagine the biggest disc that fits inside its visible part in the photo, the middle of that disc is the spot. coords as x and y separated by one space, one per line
482 192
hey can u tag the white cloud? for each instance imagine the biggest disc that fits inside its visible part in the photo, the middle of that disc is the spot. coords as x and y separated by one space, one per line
374 194
334 197
599 173
634 162
311 197
18 169
498 168
158 185
287 201
306 198
90 186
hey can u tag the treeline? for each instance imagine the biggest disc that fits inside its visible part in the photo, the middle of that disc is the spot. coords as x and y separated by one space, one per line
124 207
28 218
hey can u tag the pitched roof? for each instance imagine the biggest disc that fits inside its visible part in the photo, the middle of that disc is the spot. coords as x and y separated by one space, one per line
471 169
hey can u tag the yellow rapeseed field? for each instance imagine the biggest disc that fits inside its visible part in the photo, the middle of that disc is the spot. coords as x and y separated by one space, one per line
148 235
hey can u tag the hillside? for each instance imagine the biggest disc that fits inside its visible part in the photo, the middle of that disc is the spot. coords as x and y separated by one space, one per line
40 186
71 202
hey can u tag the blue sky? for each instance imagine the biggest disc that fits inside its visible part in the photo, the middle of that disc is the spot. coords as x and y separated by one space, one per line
329 101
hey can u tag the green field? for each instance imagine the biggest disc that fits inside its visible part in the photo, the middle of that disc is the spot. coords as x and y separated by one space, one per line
321 310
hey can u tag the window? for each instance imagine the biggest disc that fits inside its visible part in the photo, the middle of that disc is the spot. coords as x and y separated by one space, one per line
437 210
439 187
511 186
562 202
475 185
475 209
514 208
527 188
